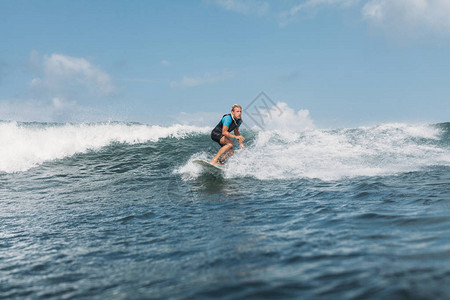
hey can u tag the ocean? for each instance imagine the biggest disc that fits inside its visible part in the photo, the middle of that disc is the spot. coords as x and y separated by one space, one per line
120 211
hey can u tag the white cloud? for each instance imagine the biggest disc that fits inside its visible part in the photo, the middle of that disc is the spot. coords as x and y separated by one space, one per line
279 117
61 72
61 82
165 62
315 3
404 18
407 18
411 17
209 119
53 110
244 7
290 120
207 78
290 15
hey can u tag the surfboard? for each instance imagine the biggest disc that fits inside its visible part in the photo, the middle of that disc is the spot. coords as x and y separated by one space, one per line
207 166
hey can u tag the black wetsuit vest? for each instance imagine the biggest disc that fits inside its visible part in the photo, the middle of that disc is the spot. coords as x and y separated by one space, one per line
232 127
216 133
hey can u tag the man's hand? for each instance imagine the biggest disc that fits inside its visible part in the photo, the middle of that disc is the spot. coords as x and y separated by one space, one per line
240 138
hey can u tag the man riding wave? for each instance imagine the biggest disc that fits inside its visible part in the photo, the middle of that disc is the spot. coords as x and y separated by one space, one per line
222 135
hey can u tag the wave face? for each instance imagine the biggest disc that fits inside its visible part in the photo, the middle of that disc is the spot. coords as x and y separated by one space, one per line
270 155
332 154
26 145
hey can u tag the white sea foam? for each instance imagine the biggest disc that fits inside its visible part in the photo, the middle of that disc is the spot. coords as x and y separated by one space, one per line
23 146
334 154
294 148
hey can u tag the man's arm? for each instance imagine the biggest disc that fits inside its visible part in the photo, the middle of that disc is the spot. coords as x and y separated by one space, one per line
236 134
236 131
239 137
228 134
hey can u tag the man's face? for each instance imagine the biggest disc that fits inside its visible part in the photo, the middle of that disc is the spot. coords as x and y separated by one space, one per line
237 112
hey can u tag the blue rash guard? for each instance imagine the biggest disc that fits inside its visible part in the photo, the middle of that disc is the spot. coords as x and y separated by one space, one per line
216 133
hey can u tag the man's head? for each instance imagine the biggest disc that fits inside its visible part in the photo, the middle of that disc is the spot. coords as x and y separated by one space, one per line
236 111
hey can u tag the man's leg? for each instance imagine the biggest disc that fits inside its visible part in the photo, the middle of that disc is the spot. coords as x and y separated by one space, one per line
228 145
228 154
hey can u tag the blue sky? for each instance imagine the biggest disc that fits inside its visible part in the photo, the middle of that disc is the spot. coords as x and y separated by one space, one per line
348 62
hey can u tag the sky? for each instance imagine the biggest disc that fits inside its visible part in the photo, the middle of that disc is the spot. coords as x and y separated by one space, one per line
345 63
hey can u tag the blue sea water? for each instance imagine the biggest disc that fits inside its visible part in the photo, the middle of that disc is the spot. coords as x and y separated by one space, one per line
120 211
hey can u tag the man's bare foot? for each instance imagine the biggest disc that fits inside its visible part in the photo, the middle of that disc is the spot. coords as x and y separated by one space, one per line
216 163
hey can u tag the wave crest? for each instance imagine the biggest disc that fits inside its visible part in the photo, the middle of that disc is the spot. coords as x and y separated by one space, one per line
25 145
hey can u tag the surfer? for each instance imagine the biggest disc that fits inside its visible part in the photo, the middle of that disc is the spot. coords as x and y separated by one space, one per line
222 134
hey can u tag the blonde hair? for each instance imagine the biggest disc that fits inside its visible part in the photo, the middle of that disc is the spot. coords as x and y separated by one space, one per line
232 109
234 106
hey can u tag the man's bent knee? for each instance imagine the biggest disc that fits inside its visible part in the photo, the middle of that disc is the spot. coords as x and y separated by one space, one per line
224 140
